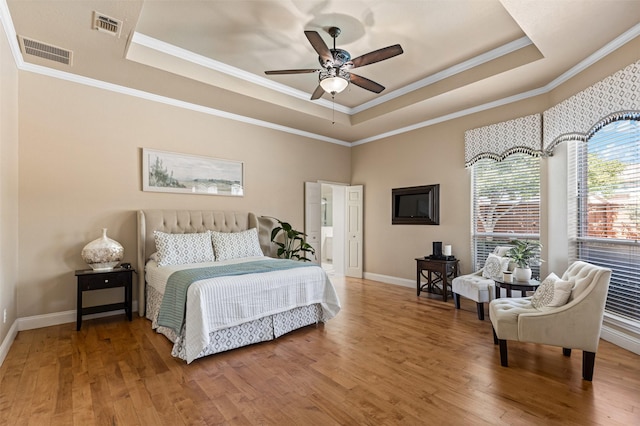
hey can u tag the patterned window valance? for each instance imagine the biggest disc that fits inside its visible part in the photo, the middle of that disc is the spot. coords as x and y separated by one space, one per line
617 97
498 141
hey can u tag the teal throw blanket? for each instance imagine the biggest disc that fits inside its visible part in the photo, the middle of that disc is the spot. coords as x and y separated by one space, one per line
172 309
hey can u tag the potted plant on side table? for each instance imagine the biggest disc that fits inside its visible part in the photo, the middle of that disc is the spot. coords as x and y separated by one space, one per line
524 253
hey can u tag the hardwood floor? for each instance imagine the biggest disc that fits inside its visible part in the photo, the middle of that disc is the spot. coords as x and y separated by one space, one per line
387 358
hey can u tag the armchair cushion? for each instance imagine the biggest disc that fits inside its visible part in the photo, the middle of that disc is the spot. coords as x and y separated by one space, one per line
504 314
553 292
474 287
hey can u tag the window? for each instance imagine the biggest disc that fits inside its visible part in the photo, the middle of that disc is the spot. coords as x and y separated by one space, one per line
604 199
506 204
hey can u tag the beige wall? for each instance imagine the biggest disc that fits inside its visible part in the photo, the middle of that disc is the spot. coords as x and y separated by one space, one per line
80 171
431 155
8 186
435 154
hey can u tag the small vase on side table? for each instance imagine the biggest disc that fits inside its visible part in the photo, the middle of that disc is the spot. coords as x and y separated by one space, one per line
103 254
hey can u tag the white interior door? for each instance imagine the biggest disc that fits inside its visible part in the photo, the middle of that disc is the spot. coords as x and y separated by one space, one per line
339 228
354 243
312 216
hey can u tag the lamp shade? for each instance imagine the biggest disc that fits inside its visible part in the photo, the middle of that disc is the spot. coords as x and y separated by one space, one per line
334 84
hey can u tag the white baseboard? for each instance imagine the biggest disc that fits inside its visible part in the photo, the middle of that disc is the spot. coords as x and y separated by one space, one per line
390 280
47 320
618 338
8 341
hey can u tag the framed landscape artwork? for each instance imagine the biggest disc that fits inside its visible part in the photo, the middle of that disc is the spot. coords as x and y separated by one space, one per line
191 174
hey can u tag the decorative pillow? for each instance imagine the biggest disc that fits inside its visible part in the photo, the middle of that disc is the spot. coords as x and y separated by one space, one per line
234 245
552 292
501 250
178 249
494 266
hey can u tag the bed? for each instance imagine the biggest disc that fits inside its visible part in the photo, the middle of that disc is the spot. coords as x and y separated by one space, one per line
236 295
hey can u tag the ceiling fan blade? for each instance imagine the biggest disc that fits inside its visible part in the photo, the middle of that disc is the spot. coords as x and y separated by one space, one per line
301 71
377 56
319 45
365 83
317 94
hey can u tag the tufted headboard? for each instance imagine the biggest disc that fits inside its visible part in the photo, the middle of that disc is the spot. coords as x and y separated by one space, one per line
190 221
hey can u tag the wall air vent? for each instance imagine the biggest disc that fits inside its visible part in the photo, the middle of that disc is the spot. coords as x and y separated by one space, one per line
106 24
46 51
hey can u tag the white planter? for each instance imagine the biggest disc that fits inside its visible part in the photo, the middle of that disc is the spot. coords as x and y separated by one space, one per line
521 274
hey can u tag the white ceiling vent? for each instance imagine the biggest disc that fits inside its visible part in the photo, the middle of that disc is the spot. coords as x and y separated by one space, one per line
106 24
46 51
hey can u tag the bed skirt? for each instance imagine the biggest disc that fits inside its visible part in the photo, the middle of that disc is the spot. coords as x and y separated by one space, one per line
260 330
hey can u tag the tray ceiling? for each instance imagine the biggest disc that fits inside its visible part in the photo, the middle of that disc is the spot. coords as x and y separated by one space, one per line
459 55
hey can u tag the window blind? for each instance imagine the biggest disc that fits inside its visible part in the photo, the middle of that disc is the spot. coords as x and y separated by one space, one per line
604 208
506 204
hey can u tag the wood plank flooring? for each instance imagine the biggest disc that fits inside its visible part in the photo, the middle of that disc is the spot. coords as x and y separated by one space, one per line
388 358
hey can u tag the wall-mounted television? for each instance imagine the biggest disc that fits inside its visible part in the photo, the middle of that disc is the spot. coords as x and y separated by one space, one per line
416 205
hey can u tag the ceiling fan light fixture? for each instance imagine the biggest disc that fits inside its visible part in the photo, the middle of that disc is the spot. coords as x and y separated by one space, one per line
334 84
335 74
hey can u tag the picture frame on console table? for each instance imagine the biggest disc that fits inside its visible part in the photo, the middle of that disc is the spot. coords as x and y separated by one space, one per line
164 171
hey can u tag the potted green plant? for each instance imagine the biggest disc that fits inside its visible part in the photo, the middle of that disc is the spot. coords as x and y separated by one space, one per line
523 253
291 243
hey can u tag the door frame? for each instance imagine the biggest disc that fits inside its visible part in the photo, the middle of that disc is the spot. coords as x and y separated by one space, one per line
313 222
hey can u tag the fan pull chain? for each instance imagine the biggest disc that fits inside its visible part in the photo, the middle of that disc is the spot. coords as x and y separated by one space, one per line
333 109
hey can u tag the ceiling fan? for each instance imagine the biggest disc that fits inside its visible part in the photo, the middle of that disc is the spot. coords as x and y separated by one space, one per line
335 75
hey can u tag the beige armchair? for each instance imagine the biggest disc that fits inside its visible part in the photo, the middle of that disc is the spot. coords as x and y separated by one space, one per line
575 325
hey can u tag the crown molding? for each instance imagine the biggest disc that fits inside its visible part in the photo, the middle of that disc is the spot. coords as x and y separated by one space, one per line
74 78
187 55
608 48
453 115
446 73
10 31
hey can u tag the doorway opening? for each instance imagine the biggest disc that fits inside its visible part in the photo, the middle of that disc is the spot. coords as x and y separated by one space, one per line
332 231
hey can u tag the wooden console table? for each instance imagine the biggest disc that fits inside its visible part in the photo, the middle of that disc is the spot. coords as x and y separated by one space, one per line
438 272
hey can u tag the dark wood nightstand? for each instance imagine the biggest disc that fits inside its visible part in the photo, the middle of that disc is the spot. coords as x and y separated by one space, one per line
88 279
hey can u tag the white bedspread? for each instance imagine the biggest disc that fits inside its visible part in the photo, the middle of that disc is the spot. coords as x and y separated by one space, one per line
219 303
